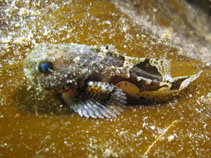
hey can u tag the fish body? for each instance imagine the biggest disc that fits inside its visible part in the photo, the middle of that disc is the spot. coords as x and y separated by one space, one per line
97 81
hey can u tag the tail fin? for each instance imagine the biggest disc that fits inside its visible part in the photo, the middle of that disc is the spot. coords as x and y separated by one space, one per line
169 89
182 82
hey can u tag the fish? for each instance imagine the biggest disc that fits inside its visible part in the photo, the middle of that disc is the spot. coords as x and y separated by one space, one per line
98 81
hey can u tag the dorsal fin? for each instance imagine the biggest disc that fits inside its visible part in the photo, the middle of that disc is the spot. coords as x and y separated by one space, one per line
150 68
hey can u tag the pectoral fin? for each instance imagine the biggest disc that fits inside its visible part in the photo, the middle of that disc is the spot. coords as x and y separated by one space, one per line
100 100
95 109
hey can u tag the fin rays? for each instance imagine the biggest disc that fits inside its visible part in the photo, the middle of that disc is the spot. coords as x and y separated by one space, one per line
94 107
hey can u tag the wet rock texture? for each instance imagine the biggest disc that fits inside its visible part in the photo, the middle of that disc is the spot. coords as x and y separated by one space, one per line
36 124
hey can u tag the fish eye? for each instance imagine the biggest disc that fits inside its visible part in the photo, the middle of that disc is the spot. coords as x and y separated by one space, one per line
46 67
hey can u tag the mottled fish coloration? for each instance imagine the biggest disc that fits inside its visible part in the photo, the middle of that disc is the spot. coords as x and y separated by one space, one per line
98 82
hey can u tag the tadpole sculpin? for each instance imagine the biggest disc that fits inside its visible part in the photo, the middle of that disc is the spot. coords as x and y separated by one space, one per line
98 82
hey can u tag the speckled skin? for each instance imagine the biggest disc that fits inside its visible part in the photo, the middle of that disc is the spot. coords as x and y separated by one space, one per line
73 64
78 70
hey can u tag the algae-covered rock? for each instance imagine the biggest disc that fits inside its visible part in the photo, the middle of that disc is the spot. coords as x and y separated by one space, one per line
35 123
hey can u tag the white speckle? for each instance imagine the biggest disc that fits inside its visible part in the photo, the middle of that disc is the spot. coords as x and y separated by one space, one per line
143 36
148 81
122 133
155 10
124 28
138 78
168 78
167 33
139 133
23 11
77 59
170 138
90 83
117 71
107 22
127 74
152 127
17 25
69 81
